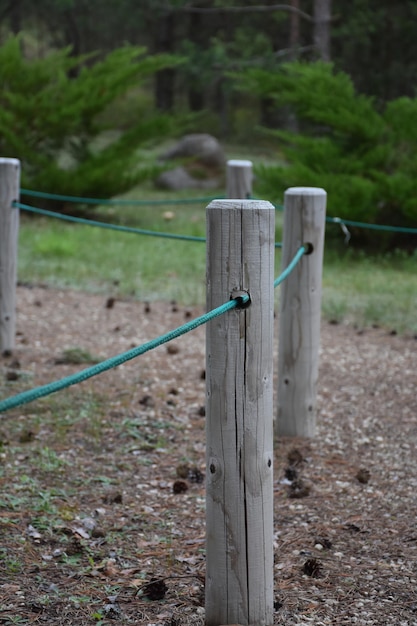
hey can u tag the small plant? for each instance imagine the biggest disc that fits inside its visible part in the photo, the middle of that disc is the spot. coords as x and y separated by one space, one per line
76 356
13 566
48 461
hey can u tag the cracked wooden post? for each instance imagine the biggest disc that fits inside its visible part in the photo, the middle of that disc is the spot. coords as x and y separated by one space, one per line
239 501
300 312
9 231
239 177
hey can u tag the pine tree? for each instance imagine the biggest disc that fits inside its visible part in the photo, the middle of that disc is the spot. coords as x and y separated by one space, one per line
365 158
49 119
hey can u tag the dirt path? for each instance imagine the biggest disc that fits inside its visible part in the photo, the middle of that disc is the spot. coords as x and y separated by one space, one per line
102 485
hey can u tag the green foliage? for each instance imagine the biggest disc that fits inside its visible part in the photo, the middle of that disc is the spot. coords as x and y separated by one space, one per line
50 114
365 159
76 356
358 287
374 42
116 263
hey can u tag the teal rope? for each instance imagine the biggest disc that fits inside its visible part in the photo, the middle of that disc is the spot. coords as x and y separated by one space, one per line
89 372
125 229
104 201
340 220
394 229
39 392
290 266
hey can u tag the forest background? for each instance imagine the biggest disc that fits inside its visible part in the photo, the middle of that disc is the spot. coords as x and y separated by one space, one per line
327 85
331 85
373 42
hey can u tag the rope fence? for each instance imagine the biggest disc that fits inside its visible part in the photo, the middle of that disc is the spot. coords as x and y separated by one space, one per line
118 227
112 201
73 379
239 359
96 201
382 227
239 372
239 185
117 202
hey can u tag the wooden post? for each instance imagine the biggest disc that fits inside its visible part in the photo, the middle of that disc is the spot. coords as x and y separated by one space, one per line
300 309
9 230
239 501
239 178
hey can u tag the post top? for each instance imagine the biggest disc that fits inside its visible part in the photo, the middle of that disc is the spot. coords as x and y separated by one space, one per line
239 163
239 203
7 161
306 191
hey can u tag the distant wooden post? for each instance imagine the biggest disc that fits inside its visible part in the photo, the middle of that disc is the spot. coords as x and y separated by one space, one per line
300 309
239 177
239 500
9 230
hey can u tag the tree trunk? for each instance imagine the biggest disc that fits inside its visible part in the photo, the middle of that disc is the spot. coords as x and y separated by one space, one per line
72 35
195 94
16 16
294 42
321 36
165 79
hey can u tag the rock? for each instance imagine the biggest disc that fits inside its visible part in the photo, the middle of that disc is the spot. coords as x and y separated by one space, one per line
176 179
179 178
201 146
204 168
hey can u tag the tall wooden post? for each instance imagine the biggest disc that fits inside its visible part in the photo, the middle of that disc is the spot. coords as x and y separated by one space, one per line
239 177
239 501
9 230
300 311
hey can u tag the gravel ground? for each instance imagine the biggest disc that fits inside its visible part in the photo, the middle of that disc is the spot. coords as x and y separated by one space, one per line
121 459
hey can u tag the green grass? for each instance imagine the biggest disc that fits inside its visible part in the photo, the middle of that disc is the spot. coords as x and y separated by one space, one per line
361 289
371 290
106 261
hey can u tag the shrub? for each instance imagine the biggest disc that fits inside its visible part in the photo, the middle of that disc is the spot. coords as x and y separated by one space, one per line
365 158
50 114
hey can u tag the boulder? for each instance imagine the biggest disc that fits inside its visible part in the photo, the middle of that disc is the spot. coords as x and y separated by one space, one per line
201 147
179 178
204 167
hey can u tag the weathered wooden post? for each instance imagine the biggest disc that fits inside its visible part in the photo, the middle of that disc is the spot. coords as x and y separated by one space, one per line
300 309
239 177
9 230
239 502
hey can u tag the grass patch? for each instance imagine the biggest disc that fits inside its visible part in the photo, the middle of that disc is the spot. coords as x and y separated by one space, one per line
125 264
371 290
76 356
358 288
